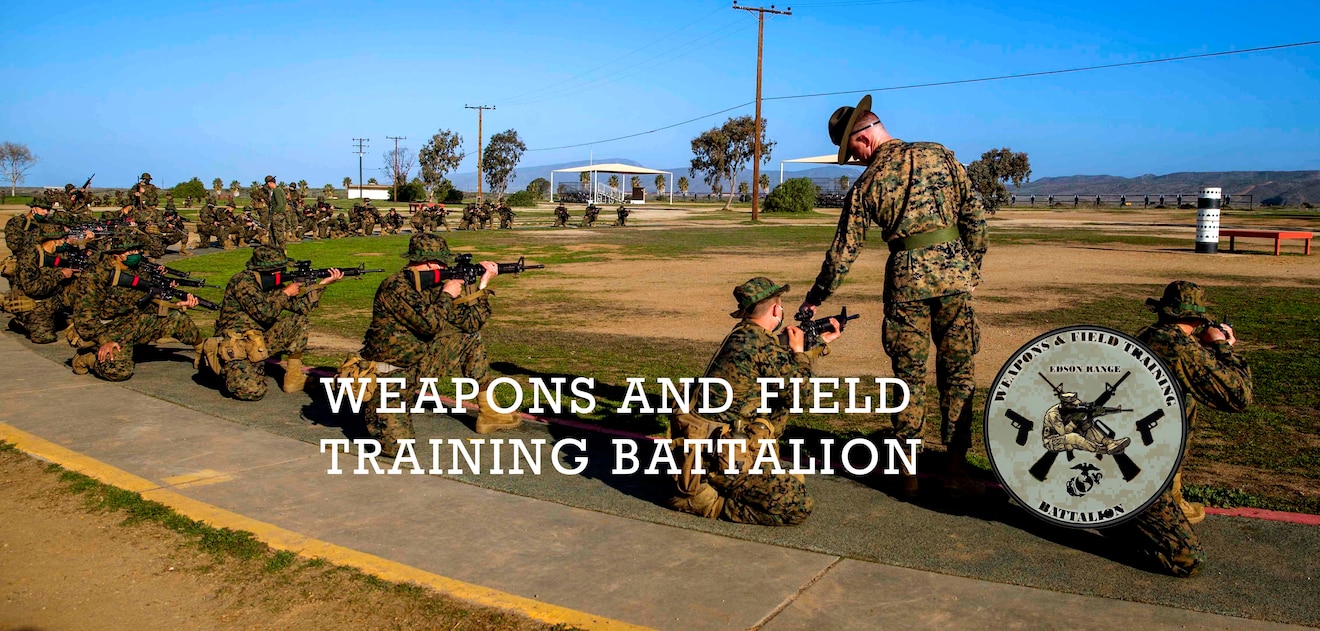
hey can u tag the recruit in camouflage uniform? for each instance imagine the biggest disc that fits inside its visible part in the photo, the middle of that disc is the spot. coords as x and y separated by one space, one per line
172 228
1201 354
109 320
421 220
208 226
265 318
392 222
506 216
750 352
144 194
622 212
39 280
561 216
921 199
589 217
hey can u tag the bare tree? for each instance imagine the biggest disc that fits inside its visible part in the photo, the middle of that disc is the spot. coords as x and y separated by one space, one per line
399 164
16 159
440 155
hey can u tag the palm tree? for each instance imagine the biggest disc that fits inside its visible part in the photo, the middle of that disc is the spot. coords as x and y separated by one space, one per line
217 184
233 187
683 185
328 189
659 184
302 185
843 182
348 182
371 180
765 183
614 181
636 181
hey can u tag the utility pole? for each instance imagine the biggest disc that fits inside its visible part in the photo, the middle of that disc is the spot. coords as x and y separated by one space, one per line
361 150
756 140
395 175
481 109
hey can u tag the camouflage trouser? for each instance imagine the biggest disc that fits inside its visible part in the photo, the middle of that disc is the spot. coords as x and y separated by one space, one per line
323 230
154 244
766 499
40 322
1163 535
463 357
142 328
368 228
909 328
171 237
278 232
390 428
204 234
246 380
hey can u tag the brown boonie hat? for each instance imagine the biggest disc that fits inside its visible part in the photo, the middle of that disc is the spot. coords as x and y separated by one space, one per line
266 258
1182 300
270 178
754 292
842 122
427 246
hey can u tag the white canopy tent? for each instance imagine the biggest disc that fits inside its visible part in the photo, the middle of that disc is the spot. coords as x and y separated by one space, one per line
612 167
832 158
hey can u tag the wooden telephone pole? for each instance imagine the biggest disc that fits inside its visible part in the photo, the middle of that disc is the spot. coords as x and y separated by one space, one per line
361 150
481 109
756 140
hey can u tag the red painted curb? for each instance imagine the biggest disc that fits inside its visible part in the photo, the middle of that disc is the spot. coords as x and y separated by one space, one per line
1270 515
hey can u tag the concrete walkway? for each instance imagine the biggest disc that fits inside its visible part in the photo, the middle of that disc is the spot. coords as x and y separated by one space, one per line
619 570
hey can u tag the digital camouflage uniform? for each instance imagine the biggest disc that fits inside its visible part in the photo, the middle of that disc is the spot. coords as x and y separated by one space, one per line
406 323
506 217
561 217
44 284
392 222
103 313
280 319
1210 374
208 226
920 198
589 217
749 352
622 212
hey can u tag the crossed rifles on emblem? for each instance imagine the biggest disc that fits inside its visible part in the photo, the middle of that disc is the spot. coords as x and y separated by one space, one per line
1073 424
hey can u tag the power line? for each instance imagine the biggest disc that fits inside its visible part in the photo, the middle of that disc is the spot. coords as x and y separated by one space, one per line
946 83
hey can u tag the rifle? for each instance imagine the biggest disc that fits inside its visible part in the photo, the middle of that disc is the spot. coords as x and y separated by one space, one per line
302 272
812 329
88 182
156 288
468 272
170 276
99 229
75 259
1041 469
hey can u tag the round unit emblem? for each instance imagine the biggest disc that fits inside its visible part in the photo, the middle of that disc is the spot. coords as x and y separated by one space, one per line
1085 427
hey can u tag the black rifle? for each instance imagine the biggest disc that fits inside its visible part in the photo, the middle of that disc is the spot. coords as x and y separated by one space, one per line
812 329
1041 469
100 228
303 272
88 182
170 276
75 259
465 270
156 288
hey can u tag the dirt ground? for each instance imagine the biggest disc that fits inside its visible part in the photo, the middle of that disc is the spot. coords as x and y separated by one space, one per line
63 567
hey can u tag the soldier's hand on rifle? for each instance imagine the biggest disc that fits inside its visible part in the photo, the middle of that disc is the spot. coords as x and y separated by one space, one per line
453 287
796 339
66 272
1213 334
187 303
808 307
292 289
492 270
832 335
106 351
335 274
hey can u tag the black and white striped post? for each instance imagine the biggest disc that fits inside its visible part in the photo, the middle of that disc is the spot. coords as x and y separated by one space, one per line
1207 220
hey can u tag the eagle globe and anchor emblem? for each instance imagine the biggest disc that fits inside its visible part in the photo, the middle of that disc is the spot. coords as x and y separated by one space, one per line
1103 402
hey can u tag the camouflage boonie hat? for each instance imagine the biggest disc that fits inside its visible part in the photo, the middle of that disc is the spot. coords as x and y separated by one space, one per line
124 238
1182 300
266 258
68 187
1070 400
145 176
270 178
424 247
40 202
842 122
754 292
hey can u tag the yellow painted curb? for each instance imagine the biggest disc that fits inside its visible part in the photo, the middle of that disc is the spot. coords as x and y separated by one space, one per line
281 539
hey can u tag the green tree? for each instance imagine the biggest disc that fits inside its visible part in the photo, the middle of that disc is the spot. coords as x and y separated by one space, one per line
683 185
191 188
842 182
348 182
217 184
721 152
797 195
539 187
635 182
440 155
744 189
233 188
659 184
584 178
302 185
995 168
15 160
328 190
615 182
765 183
500 160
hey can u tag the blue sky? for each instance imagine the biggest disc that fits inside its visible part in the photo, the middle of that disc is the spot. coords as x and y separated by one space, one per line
240 90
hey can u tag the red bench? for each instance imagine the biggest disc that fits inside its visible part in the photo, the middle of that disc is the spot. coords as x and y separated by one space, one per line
1277 235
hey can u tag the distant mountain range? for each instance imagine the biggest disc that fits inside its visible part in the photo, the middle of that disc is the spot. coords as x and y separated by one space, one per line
1270 187
1287 187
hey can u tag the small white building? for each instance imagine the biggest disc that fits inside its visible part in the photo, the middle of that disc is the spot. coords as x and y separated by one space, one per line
370 191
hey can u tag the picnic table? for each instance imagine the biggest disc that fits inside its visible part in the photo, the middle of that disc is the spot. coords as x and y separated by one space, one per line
1278 235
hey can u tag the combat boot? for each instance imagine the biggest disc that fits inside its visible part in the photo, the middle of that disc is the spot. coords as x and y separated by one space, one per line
957 483
83 362
489 421
294 379
1194 511
1111 446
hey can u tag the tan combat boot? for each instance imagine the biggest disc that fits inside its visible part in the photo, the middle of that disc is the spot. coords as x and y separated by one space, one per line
1195 511
706 502
294 379
489 421
83 362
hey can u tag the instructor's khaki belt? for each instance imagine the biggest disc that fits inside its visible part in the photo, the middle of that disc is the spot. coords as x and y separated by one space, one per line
925 239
